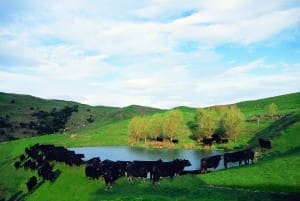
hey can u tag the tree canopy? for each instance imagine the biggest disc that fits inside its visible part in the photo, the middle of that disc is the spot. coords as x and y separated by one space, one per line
206 121
155 128
232 121
173 122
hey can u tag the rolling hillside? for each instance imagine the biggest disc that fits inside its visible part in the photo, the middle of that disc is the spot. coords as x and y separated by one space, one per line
19 115
274 176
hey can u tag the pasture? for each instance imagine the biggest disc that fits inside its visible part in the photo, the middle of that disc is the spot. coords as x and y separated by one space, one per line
273 176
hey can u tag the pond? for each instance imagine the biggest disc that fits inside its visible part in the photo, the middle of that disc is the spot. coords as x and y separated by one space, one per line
136 153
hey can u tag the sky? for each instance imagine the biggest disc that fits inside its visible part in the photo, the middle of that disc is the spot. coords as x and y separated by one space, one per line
159 53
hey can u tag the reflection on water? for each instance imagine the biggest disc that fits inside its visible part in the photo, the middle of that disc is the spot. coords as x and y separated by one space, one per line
137 153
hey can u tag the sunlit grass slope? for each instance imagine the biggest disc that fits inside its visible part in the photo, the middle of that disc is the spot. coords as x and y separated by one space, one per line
276 170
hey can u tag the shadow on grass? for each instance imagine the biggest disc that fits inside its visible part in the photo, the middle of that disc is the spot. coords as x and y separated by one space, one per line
57 172
17 196
191 187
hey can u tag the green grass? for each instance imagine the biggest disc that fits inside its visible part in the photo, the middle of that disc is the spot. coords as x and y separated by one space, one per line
21 110
276 170
286 104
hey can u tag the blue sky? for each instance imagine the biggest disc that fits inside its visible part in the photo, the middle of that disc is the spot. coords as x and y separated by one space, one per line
160 53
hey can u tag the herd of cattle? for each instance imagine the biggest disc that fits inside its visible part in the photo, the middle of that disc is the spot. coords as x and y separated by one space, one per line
39 157
112 170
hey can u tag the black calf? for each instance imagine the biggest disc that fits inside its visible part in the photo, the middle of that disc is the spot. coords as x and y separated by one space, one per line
31 183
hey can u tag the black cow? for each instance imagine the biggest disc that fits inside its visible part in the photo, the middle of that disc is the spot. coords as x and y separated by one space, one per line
159 139
207 141
111 172
30 164
233 157
239 156
46 171
210 162
92 168
17 164
264 143
216 138
22 157
168 169
248 156
31 183
136 170
175 141
148 165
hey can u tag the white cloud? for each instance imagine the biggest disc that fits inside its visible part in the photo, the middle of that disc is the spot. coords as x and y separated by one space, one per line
146 36
244 68
237 83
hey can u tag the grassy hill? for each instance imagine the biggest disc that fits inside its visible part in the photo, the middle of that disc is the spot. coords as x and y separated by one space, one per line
18 119
274 176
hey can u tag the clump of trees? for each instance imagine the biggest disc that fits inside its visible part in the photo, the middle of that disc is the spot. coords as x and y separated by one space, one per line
54 121
228 122
166 126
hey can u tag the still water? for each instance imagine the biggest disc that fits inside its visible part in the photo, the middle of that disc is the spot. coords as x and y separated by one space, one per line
136 153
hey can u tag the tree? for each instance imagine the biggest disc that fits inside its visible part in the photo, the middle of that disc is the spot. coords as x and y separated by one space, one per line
272 109
173 122
133 128
206 123
232 121
155 126
143 128
138 128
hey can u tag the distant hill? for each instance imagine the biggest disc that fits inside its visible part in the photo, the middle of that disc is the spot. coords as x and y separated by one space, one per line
26 116
286 103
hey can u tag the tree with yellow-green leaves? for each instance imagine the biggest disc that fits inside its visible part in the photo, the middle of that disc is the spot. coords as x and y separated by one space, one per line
233 122
155 126
133 128
144 128
172 123
138 128
206 121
